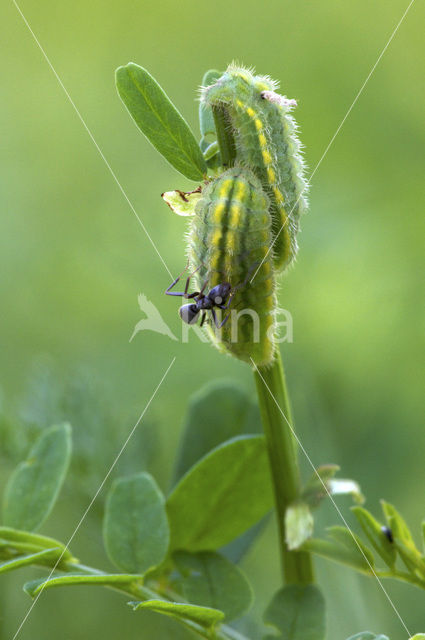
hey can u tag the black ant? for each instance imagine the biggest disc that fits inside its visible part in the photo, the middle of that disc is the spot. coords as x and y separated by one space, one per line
219 297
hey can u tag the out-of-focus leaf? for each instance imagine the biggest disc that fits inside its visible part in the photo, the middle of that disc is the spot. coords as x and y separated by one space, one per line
418 636
396 523
45 557
224 494
206 120
376 535
411 558
353 543
34 486
367 635
299 524
160 121
218 412
297 613
338 553
203 616
211 580
235 550
33 587
403 540
136 531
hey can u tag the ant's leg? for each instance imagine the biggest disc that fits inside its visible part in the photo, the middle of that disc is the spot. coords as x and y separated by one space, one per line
195 294
168 291
214 316
225 319
184 293
227 305
203 287
216 322
204 315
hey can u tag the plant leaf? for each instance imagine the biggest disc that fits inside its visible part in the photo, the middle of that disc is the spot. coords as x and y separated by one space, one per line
136 531
397 524
367 635
47 556
34 587
206 119
33 542
34 486
423 535
418 636
403 540
338 553
160 121
209 579
235 550
225 411
299 524
411 558
221 496
298 613
353 543
203 616
376 535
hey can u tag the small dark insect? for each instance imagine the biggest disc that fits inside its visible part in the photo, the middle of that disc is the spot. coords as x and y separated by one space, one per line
219 297
388 533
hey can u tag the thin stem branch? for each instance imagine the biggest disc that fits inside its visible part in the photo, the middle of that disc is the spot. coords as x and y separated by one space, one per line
277 423
141 592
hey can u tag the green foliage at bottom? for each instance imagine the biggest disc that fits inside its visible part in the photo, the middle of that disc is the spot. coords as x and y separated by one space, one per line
297 613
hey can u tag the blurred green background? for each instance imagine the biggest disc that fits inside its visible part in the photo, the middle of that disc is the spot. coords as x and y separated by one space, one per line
73 259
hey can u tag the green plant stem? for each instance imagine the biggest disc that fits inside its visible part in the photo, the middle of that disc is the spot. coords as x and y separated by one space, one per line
281 445
141 592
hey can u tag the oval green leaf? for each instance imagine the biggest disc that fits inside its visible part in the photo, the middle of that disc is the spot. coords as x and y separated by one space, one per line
225 411
221 496
297 613
209 579
136 531
203 616
34 486
160 121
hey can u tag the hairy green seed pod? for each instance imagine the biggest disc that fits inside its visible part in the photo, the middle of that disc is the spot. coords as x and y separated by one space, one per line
266 142
229 239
